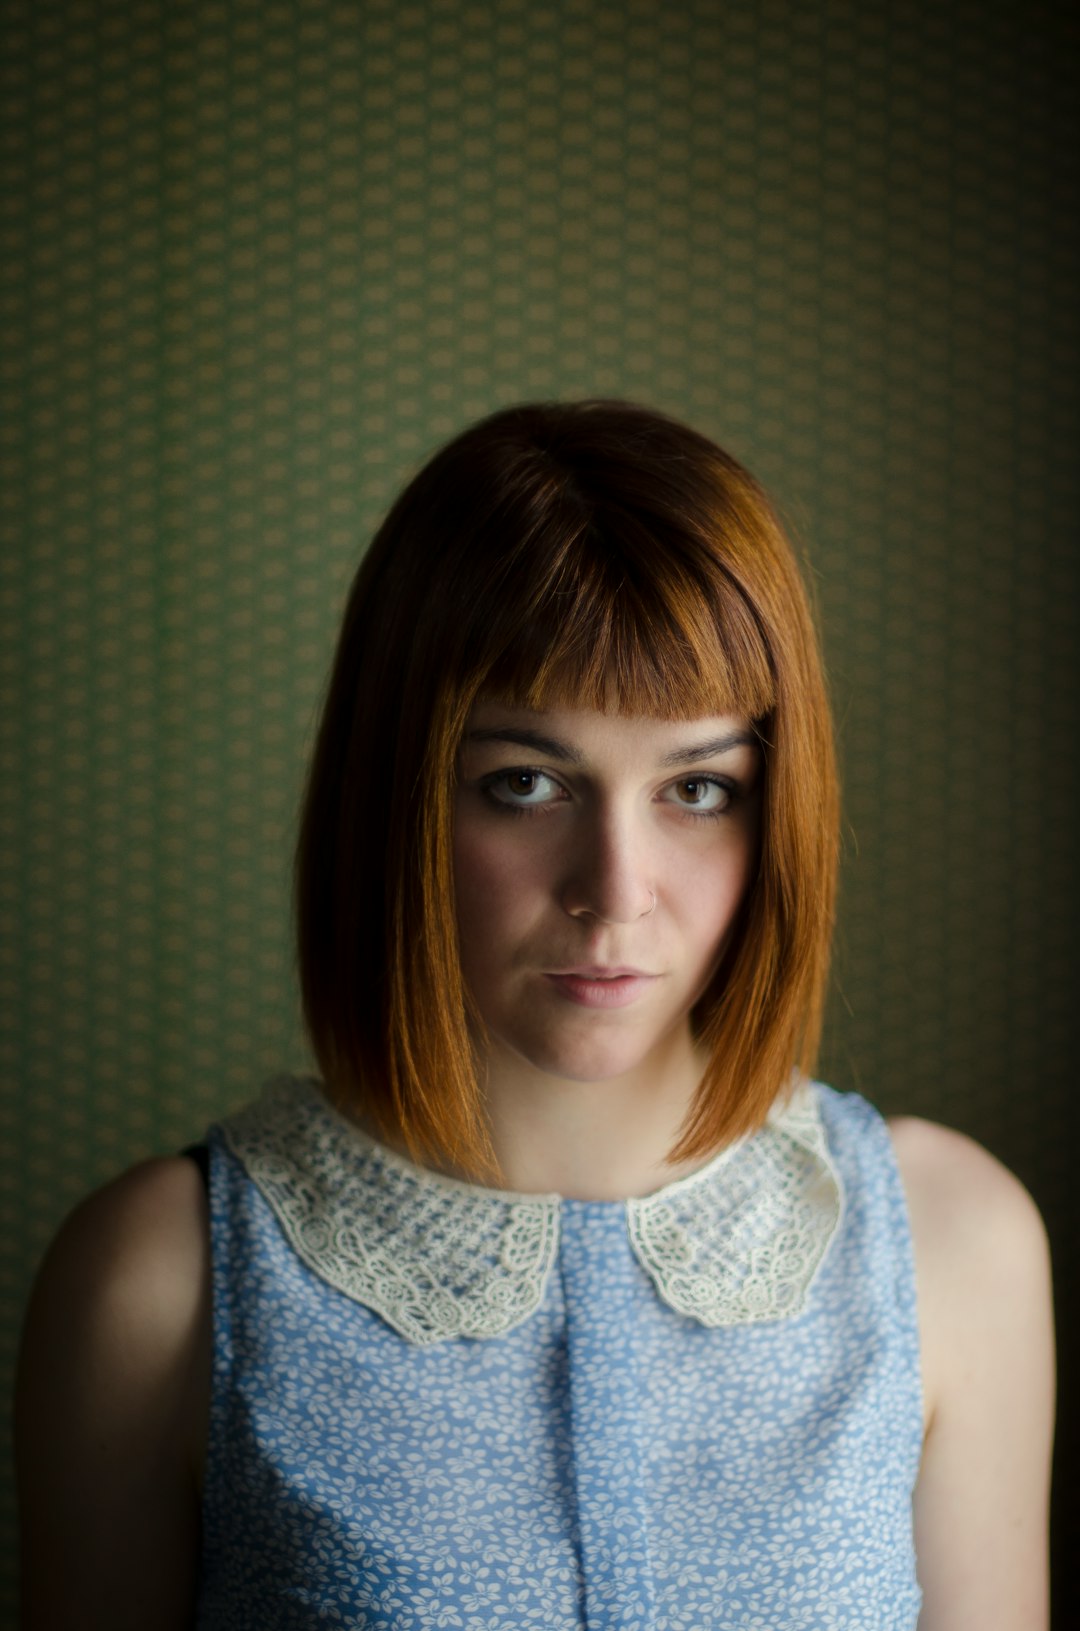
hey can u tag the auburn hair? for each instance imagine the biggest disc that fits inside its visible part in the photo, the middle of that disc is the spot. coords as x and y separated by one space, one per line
589 554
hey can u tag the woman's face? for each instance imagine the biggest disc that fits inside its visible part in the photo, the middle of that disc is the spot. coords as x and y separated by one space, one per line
599 864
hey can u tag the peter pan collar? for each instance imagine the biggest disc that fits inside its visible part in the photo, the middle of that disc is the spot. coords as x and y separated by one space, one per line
737 1242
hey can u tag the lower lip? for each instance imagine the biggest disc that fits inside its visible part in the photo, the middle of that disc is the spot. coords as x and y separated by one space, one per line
617 993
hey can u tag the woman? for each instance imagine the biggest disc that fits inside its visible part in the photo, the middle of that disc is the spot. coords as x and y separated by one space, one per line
564 1298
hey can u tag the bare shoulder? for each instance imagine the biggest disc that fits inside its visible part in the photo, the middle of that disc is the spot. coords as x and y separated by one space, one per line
986 1332
111 1399
981 1255
130 1264
158 1204
963 1197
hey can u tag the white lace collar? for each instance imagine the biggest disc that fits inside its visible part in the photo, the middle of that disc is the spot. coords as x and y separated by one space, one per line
738 1241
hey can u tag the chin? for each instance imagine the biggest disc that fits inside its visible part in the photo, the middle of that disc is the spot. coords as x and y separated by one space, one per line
585 1065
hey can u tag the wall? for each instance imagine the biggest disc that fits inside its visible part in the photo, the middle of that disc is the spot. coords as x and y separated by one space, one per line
261 257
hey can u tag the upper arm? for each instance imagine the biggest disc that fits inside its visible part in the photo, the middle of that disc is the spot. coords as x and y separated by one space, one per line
982 1269
110 1404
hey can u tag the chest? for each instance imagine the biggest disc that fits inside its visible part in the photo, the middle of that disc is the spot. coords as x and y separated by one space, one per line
606 1463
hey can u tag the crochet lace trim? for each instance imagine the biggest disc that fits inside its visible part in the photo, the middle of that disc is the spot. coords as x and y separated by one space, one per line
737 1242
741 1240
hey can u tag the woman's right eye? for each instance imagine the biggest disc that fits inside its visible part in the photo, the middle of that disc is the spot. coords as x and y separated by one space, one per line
522 789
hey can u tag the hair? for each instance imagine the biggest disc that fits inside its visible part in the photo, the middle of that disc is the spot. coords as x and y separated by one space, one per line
589 554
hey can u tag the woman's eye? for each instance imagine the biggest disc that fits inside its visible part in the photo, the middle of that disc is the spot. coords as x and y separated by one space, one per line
701 794
522 789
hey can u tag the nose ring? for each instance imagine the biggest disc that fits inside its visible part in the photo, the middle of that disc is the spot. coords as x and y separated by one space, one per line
652 908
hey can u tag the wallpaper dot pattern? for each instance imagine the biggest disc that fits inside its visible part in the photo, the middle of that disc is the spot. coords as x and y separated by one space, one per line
258 259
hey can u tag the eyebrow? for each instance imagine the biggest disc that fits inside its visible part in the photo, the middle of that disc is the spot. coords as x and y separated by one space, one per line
715 745
552 748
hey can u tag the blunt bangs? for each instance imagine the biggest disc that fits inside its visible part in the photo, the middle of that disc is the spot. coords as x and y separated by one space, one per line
623 624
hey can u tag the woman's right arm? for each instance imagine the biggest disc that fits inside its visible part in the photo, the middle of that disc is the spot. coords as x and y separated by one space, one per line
111 1407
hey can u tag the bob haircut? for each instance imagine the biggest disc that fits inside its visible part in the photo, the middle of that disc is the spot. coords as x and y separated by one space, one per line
588 554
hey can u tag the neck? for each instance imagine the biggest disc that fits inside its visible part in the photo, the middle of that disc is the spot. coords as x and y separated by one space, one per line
605 1140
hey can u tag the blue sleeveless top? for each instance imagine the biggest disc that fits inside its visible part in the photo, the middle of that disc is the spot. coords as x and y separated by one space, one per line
440 1405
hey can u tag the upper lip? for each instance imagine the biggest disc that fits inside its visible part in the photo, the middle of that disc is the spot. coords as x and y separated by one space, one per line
595 972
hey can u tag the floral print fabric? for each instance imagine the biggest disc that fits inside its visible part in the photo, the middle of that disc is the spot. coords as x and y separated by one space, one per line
608 1463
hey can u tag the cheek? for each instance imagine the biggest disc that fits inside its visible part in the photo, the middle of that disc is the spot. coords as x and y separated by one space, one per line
710 895
495 884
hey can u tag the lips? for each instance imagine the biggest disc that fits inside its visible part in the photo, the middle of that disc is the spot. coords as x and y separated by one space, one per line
602 987
601 971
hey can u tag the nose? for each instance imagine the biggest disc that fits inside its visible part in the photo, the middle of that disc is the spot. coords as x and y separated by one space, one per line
607 873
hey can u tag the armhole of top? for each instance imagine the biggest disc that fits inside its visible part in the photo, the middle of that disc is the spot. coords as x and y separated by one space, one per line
200 1154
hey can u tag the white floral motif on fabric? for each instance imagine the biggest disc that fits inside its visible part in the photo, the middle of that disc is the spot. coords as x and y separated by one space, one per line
607 1463
437 1258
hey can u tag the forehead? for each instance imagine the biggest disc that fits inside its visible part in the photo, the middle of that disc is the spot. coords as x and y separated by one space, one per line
587 735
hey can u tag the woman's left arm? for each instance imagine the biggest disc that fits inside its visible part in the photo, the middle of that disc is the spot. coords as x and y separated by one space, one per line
983 1275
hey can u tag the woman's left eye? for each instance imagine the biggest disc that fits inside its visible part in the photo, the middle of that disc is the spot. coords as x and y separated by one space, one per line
704 795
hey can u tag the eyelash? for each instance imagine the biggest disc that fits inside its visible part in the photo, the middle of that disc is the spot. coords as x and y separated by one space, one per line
687 811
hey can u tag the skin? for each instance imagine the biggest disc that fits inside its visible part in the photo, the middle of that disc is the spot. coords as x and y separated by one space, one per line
583 841
609 869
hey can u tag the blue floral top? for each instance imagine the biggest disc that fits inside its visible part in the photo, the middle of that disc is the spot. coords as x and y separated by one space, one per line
441 1405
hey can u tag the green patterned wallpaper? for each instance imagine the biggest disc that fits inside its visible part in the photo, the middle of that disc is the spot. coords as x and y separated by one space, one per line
259 258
